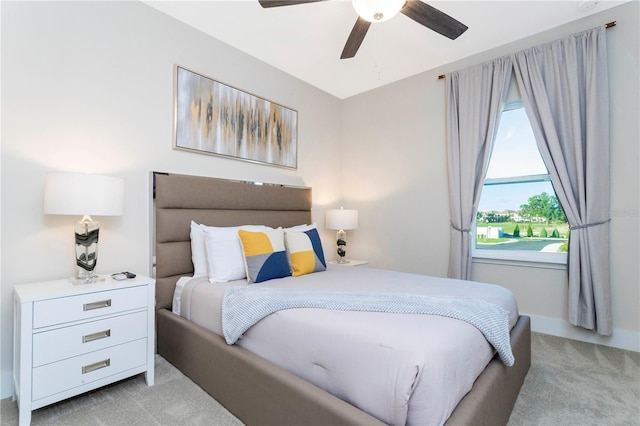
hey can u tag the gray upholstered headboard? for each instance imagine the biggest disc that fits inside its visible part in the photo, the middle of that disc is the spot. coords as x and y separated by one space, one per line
179 199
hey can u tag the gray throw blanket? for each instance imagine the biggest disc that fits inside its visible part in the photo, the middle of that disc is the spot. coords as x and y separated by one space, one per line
243 306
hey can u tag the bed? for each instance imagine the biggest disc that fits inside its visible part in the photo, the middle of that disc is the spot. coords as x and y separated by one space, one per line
256 390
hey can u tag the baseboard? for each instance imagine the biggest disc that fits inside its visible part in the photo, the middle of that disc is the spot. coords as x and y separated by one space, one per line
622 339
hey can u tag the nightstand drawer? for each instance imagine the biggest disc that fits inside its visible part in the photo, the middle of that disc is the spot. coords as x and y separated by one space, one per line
85 306
67 342
73 372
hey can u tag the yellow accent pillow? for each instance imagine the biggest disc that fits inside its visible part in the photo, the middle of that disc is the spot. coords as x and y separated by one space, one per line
304 250
264 255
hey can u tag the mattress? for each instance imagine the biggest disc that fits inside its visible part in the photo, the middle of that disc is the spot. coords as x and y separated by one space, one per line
401 368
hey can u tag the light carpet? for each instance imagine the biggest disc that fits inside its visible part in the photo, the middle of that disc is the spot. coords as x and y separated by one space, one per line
578 383
569 383
173 400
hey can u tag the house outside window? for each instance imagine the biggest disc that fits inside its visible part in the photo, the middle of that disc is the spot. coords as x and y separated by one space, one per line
519 217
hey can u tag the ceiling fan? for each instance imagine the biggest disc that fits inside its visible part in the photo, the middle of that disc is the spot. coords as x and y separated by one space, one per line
371 11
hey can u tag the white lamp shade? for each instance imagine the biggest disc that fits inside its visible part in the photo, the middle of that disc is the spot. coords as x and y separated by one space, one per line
342 219
80 194
378 10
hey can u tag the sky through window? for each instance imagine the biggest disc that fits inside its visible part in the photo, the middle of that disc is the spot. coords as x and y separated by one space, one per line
514 154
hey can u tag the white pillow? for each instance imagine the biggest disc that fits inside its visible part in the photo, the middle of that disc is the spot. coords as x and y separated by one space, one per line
198 252
302 228
225 260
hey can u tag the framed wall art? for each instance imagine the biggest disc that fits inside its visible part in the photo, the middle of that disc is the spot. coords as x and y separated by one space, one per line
213 118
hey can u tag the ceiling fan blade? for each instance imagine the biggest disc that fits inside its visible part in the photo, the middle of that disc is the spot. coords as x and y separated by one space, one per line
434 19
355 38
278 3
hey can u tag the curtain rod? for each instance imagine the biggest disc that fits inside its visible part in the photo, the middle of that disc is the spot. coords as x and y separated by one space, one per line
606 26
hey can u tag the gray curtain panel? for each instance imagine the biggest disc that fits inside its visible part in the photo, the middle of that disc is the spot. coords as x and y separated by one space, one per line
474 98
564 87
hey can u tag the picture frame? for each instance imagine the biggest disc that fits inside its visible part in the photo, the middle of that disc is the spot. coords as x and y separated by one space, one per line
214 118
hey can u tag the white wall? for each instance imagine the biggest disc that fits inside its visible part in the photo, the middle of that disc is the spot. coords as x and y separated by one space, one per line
396 174
88 86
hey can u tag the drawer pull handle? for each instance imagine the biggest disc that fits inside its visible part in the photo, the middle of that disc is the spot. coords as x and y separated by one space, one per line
96 336
96 366
96 305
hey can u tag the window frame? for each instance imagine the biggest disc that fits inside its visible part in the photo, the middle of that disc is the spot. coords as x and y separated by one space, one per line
515 257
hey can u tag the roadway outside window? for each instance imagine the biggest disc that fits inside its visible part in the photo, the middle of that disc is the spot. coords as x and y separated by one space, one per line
519 217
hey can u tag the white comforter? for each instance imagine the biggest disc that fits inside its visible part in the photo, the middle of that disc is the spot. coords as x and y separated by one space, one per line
400 368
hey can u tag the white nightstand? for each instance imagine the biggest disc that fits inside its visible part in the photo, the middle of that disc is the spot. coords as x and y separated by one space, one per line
69 339
352 262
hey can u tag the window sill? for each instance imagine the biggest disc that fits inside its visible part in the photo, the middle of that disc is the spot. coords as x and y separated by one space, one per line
522 259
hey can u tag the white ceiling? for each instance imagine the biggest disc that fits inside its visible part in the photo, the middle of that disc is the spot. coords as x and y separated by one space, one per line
306 40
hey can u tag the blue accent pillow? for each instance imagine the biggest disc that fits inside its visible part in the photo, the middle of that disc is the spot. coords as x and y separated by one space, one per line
304 252
264 254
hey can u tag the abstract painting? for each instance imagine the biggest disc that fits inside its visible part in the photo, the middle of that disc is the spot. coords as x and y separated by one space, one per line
214 118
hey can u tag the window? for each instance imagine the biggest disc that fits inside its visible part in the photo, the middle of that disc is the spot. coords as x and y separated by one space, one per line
519 217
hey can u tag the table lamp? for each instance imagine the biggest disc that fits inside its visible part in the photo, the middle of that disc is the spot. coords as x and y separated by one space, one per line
83 194
342 220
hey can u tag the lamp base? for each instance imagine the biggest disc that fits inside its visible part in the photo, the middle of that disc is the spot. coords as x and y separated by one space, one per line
88 279
86 236
341 240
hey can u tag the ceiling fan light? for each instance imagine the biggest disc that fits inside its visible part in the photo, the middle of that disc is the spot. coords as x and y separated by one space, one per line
378 10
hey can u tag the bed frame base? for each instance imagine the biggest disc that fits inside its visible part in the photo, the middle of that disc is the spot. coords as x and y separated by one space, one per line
260 393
